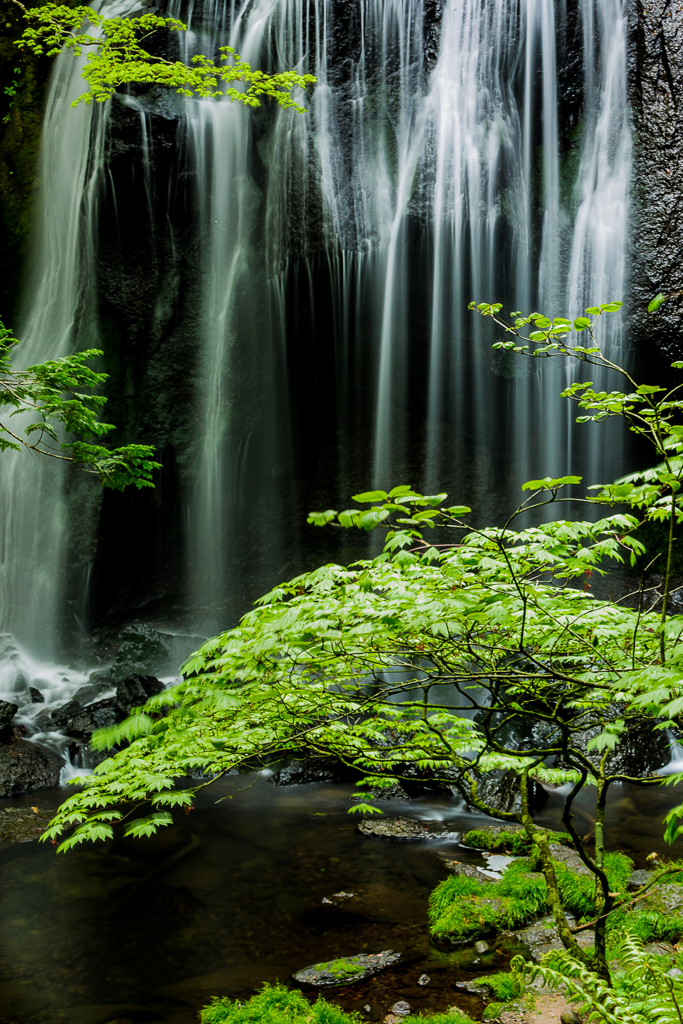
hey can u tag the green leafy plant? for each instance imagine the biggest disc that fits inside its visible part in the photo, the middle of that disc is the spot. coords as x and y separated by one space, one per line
275 1004
374 664
644 991
118 57
50 396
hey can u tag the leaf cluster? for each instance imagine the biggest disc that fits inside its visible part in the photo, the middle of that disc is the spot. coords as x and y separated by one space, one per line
117 56
57 398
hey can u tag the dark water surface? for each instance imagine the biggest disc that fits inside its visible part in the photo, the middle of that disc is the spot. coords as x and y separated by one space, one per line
231 896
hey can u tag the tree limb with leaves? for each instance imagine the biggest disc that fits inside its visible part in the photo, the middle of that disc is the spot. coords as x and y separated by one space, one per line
118 56
51 403
429 659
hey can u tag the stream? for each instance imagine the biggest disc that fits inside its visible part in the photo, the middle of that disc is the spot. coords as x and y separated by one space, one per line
231 896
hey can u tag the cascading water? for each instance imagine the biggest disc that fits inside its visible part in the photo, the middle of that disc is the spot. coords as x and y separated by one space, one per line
336 255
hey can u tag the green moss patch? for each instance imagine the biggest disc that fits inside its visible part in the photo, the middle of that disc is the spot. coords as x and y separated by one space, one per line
512 841
461 909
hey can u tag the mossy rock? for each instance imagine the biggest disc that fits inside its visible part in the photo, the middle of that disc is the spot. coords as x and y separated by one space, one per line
507 839
346 970
462 909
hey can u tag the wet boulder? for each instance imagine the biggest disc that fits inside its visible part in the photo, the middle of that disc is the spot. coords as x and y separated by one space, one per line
35 695
136 690
346 970
311 769
60 716
145 651
25 766
7 712
94 716
640 752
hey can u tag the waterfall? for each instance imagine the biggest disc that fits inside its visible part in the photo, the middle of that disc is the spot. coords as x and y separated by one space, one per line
336 254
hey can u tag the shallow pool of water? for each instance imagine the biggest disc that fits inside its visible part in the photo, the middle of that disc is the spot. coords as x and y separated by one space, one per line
232 896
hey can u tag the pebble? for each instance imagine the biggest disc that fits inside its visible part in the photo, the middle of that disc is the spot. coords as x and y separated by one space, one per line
401 1008
424 979
481 946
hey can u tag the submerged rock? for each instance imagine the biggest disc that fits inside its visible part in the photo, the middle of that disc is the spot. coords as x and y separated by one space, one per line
402 828
24 824
25 766
346 970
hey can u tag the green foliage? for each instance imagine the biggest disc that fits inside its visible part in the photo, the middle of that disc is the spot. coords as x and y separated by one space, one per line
374 664
462 908
118 58
504 985
275 1004
343 968
516 843
577 892
643 993
53 396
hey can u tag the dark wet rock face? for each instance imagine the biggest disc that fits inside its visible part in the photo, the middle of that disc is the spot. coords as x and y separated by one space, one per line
311 769
24 824
35 695
26 766
135 691
146 651
402 828
656 87
346 970
7 712
641 751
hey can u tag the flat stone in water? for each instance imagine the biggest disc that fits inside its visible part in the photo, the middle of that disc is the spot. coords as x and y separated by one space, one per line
346 970
402 828
23 824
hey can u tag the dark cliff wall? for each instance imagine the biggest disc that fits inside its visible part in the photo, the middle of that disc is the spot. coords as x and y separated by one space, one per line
23 90
656 86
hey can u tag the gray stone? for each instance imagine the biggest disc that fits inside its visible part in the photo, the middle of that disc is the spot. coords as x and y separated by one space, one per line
35 695
640 877
424 979
136 691
60 716
400 1009
466 870
481 946
7 712
146 651
26 766
86 694
333 973
542 937
402 828
655 265
310 769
